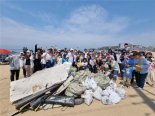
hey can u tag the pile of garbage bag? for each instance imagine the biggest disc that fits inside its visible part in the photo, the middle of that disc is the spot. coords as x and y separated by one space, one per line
74 88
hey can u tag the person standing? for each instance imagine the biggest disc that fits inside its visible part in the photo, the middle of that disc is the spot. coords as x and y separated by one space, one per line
28 63
127 76
70 57
132 62
37 60
14 61
22 58
47 58
144 66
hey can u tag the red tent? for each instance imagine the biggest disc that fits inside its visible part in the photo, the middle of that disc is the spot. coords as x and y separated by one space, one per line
4 51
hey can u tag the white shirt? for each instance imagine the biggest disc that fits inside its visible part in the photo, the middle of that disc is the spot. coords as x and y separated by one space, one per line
70 57
45 57
118 58
14 62
84 63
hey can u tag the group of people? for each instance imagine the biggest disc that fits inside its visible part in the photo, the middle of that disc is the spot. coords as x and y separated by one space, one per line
130 65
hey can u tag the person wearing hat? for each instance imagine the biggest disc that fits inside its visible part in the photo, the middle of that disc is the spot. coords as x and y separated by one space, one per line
70 56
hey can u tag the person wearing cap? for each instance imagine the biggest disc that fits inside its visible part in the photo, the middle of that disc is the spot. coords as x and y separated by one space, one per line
70 56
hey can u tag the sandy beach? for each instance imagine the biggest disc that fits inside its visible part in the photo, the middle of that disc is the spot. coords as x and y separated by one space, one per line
136 103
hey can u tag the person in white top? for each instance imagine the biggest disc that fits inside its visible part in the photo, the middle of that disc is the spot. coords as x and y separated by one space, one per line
70 56
14 61
28 63
47 59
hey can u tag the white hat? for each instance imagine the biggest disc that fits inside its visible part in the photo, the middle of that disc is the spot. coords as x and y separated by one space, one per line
28 51
71 49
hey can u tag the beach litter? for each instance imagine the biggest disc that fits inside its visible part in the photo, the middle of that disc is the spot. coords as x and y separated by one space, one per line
62 86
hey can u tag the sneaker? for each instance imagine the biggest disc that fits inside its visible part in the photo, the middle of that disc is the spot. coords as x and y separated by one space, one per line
140 88
135 86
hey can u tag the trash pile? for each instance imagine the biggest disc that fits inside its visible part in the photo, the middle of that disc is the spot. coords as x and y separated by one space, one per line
63 86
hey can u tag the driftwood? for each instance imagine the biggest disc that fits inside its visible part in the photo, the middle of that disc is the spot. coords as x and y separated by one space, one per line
28 99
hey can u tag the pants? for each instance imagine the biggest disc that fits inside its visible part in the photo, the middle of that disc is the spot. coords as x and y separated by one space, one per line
115 74
29 70
49 64
136 77
121 68
94 69
133 75
126 81
24 72
43 66
151 78
37 65
13 72
141 80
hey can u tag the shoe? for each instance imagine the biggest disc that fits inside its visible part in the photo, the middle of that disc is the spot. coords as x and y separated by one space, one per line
147 83
135 86
140 88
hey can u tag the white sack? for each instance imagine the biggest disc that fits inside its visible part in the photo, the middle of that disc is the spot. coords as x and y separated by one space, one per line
97 93
88 97
90 83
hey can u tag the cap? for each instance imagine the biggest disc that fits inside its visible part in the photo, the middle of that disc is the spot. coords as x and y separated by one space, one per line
71 49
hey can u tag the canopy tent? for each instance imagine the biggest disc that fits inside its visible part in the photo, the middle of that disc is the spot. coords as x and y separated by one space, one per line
4 51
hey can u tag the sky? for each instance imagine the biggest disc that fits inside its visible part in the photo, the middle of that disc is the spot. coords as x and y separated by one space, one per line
76 23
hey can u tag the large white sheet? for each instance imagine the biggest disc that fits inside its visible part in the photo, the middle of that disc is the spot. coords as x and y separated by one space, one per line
38 81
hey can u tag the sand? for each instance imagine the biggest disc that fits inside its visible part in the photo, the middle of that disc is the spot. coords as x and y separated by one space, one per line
136 103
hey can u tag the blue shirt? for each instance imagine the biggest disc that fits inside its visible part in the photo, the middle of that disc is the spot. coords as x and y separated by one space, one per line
144 65
128 72
64 60
132 62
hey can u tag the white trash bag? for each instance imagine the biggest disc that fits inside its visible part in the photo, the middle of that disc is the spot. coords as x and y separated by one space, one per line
98 93
109 96
105 93
113 84
90 83
88 97
121 92
114 98
105 100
